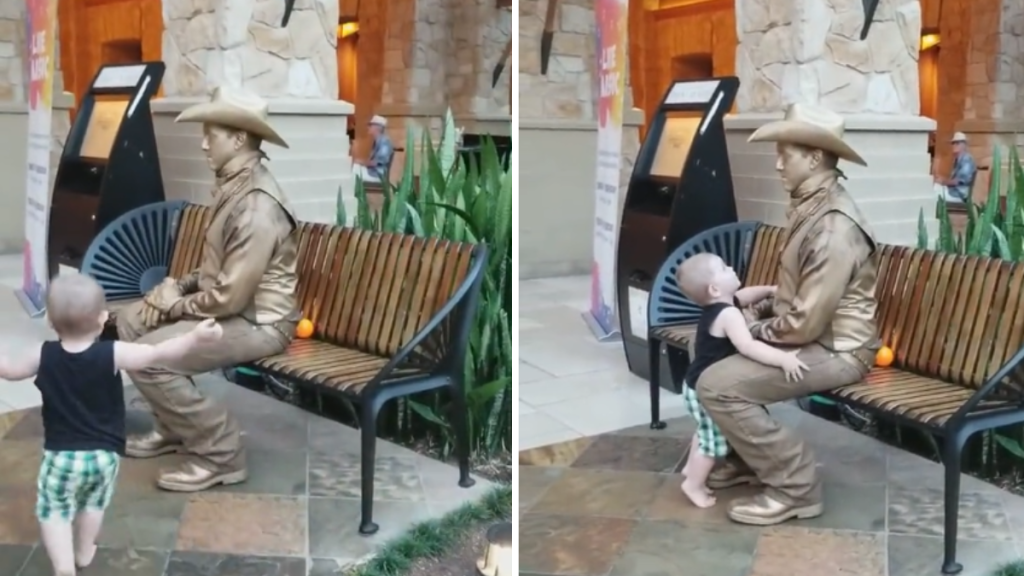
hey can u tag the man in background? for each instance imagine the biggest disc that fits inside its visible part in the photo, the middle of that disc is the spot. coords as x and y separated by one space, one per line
957 187
376 167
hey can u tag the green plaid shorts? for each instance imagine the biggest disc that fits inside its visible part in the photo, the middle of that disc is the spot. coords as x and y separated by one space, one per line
710 441
70 482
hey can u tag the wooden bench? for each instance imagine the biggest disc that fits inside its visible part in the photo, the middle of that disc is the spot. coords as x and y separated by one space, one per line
956 327
392 316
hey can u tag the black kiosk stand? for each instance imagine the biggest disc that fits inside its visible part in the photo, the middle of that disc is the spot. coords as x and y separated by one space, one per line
681 185
109 165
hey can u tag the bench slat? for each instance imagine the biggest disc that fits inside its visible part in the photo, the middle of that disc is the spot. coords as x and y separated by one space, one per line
188 242
763 268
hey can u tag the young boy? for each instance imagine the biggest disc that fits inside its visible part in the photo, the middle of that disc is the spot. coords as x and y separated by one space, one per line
84 413
721 332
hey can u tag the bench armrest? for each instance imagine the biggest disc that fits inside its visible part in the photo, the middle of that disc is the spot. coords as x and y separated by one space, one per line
1014 364
460 311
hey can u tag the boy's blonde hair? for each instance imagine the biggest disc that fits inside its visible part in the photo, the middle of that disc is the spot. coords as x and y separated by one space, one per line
694 276
75 304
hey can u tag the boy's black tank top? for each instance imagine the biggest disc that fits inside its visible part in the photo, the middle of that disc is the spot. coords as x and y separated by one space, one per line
708 349
83 398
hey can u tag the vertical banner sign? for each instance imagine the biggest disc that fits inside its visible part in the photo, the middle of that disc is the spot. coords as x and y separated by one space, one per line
42 27
611 73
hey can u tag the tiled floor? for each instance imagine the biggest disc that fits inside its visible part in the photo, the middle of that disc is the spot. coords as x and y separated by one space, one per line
610 505
298 511
570 385
599 493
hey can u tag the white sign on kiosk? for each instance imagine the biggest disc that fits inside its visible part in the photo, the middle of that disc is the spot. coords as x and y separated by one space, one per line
119 76
691 92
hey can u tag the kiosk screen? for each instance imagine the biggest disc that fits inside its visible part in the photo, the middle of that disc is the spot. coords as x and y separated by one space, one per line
107 113
674 145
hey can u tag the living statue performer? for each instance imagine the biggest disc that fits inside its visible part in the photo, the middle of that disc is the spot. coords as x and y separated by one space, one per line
824 305
246 280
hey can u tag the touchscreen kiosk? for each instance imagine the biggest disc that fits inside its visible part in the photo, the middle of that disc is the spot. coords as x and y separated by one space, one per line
681 185
109 165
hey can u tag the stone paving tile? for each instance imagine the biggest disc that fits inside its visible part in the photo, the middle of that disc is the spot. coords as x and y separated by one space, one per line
12 558
789 551
243 524
9 420
108 562
273 472
658 548
28 427
600 493
922 556
338 475
639 453
143 520
921 512
17 515
19 463
858 507
561 454
533 482
571 546
334 526
204 564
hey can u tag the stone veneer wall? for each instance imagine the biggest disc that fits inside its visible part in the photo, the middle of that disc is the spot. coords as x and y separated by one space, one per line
207 43
993 113
480 31
810 51
567 91
12 49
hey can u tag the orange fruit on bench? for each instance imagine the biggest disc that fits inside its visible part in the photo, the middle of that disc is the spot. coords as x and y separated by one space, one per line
304 329
884 356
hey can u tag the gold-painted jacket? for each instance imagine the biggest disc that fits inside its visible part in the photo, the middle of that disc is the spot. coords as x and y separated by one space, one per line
827 274
250 254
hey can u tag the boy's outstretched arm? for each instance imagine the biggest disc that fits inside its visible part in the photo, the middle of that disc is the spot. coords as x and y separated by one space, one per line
754 294
132 356
734 325
22 367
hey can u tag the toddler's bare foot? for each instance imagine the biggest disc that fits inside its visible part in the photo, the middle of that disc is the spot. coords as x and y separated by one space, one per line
84 557
697 494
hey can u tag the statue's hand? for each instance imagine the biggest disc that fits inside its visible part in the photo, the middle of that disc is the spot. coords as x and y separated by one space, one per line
151 316
165 295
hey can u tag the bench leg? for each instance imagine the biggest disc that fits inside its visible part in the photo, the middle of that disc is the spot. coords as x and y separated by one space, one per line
368 449
460 416
654 358
953 450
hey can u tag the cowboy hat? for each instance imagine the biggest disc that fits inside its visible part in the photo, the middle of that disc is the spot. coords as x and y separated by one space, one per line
958 137
809 126
235 108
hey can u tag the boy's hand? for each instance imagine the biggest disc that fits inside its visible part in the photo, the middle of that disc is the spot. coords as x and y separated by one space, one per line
792 366
208 331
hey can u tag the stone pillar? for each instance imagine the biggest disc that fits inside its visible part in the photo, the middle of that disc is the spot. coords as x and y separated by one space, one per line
480 33
241 43
810 51
414 88
993 114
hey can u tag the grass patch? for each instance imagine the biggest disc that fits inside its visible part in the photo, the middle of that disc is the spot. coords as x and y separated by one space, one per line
1015 568
433 538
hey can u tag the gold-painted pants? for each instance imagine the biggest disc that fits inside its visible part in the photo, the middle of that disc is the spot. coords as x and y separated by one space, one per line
734 392
181 411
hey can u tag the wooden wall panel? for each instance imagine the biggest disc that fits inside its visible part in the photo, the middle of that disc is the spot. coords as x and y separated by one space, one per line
373 21
86 25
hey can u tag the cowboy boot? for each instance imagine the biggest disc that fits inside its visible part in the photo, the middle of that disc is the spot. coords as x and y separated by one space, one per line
195 475
763 510
150 445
